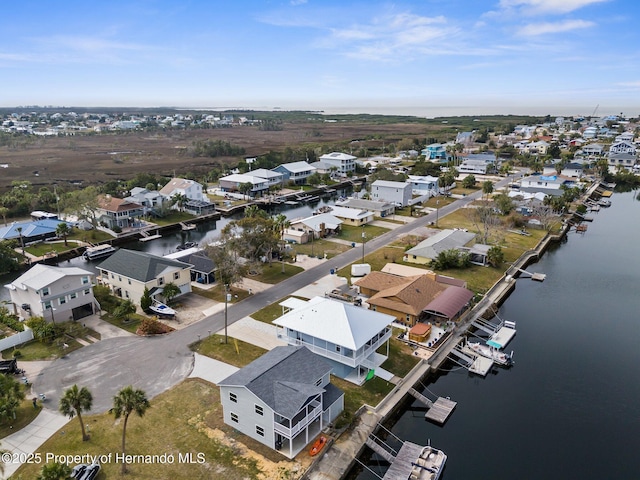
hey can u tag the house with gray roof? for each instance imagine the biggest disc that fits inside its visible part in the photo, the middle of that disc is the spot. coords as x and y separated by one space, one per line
444 240
297 172
345 335
379 208
398 193
128 272
283 399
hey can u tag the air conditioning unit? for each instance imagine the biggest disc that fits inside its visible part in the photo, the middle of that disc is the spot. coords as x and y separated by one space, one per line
25 306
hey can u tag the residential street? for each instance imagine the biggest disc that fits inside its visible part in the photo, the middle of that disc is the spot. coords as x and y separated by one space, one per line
156 364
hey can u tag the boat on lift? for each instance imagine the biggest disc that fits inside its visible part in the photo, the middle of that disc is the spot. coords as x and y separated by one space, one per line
492 352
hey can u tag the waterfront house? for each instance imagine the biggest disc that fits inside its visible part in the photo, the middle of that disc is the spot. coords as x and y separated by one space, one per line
352 216
151 200
283 399
203 270
547 184
296 172
31 232
398 193
423 185
343 163
379 208
303 230
197 203
272 178
412 299
128 272
232 183
54 293
430 248
626 160
570 169
346 335
118 212
436 152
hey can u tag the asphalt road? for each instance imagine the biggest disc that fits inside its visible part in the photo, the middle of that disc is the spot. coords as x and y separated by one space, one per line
157 364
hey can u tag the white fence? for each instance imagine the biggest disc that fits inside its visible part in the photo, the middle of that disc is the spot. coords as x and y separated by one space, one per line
17 339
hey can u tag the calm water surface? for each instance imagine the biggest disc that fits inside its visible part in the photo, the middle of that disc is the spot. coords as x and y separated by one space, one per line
568 407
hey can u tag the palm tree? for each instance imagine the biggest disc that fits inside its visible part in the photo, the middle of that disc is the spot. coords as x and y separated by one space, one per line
75 401
180 199
55 471
128 401
487 188
3 213
281 223
19 230
63 230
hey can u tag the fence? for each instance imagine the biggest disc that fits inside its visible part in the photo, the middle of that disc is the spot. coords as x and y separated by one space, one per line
17 339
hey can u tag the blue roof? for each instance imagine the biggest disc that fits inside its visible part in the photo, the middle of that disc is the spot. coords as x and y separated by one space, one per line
29 229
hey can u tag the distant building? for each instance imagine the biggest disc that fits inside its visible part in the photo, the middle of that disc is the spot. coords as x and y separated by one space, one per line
297 172
436 152
343 162
233 182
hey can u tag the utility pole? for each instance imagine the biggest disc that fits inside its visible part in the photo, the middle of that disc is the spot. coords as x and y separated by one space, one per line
363 238
226 301
437 211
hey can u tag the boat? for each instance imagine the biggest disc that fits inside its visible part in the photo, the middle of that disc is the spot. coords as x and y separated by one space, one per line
186 245
162 309
429 464
187 226
489 351
86 472
98 251
318 445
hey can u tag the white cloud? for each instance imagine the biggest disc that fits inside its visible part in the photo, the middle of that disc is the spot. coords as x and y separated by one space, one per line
295 3
544 28
548 6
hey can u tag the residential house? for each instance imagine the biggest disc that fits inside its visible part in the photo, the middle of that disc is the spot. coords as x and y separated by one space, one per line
430 248
118 212
343 162
233 182
476 167
346 335
570 169
409 299
197 203
128 272
379 208
590 132
423 185
625 137
436 152
627 160
398 193
303 230
203 270
272 178
151 200
622 147
53 293
296 172
595 149
537 148
352 216
31 231
283 399
547 184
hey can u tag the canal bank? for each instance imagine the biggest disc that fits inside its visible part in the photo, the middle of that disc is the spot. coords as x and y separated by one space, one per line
341 457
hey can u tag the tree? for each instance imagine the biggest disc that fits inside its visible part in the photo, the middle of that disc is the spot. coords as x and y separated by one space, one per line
281 223
3 213
123 310
43 331
503 203
9 258
75 401
495 256
170 291
83 203
63 230
145 300
228 269
128 401
245 188
487 188
55 471
469 181
19 230
11 395
180 199
485 220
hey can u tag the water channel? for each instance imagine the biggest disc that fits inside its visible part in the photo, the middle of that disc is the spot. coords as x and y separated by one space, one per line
567 409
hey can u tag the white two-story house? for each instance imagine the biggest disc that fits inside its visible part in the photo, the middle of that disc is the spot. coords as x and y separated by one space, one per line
398 193
283 399
343 162
344 334
54 293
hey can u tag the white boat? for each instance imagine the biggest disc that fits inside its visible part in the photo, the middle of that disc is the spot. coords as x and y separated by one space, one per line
491 352
98 251
162 309
188 226
416 463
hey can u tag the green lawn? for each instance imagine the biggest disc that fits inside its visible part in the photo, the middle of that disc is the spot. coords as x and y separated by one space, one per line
36 350
320 247
217 293
378 259
354 234
173 217
234 352
24 415
272 311
40 249
130 325
272 274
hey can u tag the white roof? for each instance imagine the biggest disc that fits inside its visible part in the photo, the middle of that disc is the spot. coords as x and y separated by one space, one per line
389 183
336 322
264 173
337 156
297 166
40 276
422 178
351 213
244 178
314 221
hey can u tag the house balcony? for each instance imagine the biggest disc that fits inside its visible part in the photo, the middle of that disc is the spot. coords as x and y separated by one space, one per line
352 361
301 424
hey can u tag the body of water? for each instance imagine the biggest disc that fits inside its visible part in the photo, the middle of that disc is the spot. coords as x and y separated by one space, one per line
567 409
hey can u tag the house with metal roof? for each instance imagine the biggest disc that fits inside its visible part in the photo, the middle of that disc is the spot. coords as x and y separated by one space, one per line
352 216
398 193
283 399
430 248
296 172
343 162
128 272
413 299
379 208
423 184
232 183
31 231
53 293
347 336
303 230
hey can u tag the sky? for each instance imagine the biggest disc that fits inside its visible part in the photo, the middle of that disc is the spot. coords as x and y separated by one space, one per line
418 56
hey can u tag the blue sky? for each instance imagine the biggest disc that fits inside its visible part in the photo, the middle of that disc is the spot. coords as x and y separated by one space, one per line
495 56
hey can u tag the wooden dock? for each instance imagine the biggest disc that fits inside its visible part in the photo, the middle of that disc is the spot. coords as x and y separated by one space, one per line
439 410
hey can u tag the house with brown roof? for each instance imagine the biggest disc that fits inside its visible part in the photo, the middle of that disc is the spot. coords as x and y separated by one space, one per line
117 212
414 299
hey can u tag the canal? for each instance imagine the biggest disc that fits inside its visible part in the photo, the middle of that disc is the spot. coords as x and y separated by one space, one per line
568 408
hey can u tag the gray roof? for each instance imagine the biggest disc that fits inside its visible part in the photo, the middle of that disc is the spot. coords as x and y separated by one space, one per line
199 261
284 378
366 204
140 266
441 241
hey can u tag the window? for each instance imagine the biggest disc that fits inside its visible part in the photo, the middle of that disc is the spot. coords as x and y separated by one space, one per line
73 295
259 410
176 275
161 281
87 292
45 291
337 348
47 305
119 278
129 281
234 417
126 294
85 280
233 397
62 300
318 382
260 430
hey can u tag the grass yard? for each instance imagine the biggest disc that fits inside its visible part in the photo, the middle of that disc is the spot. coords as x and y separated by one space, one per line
186 419
40 249
234 352
271 312
320 247
379 259
371 393
401 359
25 414
36 350
173 217
354 234
131 325
217 293
272 274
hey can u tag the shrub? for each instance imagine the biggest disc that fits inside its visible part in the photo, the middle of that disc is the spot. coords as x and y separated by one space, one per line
149 326
17 354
